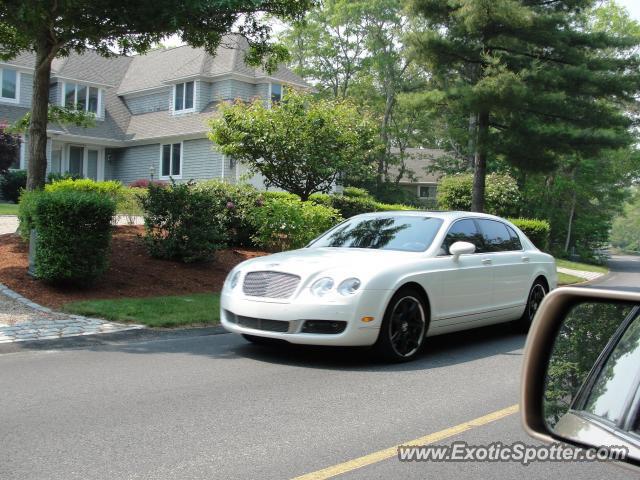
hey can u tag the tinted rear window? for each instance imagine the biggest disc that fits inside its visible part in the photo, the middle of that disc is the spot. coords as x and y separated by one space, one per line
401 232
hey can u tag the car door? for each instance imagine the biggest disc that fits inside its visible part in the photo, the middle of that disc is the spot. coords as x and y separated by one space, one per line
510 266
465 283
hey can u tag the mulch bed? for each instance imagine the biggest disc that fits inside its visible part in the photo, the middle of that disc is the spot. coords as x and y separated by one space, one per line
132 272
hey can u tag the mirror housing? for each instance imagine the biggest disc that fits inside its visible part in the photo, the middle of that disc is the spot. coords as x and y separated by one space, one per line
538 351
461 248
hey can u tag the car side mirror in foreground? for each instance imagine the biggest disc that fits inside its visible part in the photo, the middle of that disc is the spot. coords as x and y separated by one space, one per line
461 248
581 372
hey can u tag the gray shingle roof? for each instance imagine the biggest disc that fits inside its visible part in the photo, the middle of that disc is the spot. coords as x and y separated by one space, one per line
161 124
416 162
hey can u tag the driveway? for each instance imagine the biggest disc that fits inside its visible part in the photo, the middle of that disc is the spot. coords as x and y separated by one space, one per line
194 405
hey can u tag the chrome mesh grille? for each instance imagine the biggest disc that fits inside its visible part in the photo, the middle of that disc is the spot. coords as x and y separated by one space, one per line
258 323
270 284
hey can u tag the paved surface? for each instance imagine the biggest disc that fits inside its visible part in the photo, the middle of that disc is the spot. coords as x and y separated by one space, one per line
581 273
22 320
9 223
214 407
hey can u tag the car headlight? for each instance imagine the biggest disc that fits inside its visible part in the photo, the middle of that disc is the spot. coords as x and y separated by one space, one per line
322 286
234 280
349 286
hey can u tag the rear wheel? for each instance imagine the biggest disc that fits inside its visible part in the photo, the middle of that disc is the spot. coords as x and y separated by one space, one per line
536 295
403 327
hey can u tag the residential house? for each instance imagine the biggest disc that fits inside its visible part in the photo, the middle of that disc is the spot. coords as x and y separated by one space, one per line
417 180
151 110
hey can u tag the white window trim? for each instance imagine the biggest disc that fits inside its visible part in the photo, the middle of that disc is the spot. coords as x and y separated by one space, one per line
64 161
271 91
18 75
168 177
63 97
173 98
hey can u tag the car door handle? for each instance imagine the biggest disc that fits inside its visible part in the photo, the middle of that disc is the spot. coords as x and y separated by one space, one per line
486 261
525 259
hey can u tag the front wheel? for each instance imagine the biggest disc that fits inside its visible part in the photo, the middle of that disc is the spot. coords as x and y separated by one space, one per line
404 326
536 295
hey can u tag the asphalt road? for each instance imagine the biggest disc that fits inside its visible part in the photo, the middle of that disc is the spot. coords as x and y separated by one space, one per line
207 406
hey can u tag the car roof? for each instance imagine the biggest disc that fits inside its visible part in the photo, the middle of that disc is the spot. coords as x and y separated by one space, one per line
445 215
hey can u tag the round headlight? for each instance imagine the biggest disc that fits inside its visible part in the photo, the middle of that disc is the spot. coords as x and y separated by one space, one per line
234 280
322 286
349 286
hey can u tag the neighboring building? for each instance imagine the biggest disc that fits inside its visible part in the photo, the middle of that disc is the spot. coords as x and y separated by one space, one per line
151 110
417 180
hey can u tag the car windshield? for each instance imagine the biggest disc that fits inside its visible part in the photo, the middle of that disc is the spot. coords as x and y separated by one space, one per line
394 232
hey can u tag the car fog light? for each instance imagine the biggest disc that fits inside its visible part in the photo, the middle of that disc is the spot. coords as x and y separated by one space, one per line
322 286
349 286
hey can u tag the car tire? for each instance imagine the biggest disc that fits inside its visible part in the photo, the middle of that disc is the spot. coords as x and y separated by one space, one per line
404 326
536 294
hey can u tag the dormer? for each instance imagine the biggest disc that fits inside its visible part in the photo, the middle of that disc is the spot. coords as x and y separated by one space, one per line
82 96
184 97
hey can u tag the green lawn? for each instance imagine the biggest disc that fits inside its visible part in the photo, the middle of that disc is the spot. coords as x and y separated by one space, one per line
581 266
564 279
8 208
196 309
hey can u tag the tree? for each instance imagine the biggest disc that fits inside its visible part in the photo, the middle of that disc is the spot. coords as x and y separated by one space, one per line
625 232
301 144
51 28
538 82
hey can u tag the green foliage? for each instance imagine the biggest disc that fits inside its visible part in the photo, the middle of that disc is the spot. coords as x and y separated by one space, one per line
11 183
236 203
536 230
128 201
26 212
355 192
346 205
74 233
110 188
287 223
59 115
301 144
182 223
625 232
502 194
9 148
56 177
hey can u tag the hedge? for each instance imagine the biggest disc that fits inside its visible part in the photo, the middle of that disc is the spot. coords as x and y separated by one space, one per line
183 223
74 233
536 230
12 182
502 196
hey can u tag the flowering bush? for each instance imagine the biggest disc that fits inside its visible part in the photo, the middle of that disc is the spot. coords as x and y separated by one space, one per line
144 183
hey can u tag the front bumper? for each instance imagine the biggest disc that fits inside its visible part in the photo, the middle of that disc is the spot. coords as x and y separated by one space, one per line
367 303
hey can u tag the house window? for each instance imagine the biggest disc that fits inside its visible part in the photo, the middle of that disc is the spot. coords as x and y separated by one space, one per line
9 90
276 92
183 97
171 160
427 191
82 97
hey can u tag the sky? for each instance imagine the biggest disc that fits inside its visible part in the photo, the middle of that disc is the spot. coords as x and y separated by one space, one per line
633 6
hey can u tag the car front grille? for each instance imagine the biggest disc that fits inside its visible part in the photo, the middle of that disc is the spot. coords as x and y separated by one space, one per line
258 323
270 284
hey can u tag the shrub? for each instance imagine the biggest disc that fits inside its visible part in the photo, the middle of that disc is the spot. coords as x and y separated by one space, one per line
56 177
502 196
74 233
144 183
128 202
287 223
236 201
347 206
11 183
26 213
355 192
182 223
537 230
110 188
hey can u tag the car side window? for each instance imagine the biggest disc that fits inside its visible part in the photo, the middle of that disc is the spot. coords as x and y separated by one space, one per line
516 244
616 382
462 231
496 236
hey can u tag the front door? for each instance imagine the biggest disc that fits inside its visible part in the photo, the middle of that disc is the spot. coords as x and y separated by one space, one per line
86 162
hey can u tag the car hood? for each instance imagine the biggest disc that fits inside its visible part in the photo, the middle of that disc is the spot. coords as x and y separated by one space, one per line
309 261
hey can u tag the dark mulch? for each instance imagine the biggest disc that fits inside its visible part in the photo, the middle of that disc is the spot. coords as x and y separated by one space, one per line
132 272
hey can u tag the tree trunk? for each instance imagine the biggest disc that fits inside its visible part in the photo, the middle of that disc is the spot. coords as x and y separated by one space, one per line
572 213
472 141
384 134
480 163
37 166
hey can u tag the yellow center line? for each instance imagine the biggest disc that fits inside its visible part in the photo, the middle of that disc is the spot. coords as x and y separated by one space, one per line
390 452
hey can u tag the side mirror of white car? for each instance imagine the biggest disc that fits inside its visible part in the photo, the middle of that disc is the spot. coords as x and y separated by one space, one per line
461 248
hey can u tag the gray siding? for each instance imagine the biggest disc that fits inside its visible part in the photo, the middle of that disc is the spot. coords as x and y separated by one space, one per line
200 160
132 163
232 89
153 102
26 89
203 95
262 90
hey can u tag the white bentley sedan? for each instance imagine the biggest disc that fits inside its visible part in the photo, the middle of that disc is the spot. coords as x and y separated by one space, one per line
389 280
